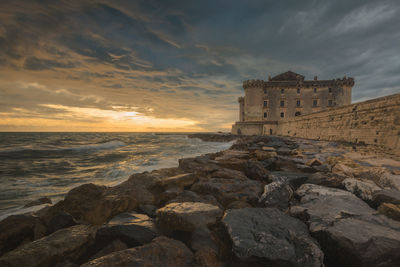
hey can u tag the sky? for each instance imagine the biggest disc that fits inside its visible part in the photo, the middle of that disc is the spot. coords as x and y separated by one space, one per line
160 65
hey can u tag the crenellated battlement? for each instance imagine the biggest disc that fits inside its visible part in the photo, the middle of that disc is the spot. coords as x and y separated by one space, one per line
253 83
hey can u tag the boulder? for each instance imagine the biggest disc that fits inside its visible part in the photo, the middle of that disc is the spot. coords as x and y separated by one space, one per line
55 218
390 210
285 151
201 164
238 164
111 247
348 230
233 154
229 190
277 194
186 216
40 201
268 149
326 179
229 174
65 244
294 179
387 196
18 229
180 180
364 189
190 196
343 170
381 176
314 162
134 229
162 251
204 245
255 170
263 155
269 237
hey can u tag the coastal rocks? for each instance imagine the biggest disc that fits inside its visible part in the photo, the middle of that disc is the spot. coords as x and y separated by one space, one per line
40 201
363 189
255 170
186 216
201 164
180 181
381 177
162 251
390 210
277 194
348 230
263 155
326 179
229 190
204 244
55 218
133 229
386 195
228 174
271 237
65 244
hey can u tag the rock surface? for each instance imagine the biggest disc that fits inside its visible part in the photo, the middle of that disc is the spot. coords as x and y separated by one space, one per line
163 252
271 237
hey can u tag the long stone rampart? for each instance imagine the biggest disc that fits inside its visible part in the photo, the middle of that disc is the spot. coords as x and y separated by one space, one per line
375 122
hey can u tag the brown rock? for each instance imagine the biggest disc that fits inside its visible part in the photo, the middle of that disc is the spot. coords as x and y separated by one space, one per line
228 174
180 180
390 210
255 170
263 155
65 244
162 251
40 201
314 162
114 246
238 164
233 154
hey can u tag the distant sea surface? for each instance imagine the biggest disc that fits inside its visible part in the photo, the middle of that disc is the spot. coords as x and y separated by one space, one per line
34 165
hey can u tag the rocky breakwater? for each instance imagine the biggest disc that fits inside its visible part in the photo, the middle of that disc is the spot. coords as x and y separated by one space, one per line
267 201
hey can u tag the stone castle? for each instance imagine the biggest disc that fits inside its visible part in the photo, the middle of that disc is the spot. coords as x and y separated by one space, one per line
287 95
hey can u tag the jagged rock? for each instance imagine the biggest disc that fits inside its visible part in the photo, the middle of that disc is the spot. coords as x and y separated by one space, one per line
268 149
326 179
180 180
386 195
263 155
381 177
255 170
363 189
294 179
134 229
114 246
149 210
204 245
270 237
229 190
65 244
55 218
18 229
238 205
277 194
186 216
190 196
238 164
343 170
229 174
201 164
40 201
390 210
161 252
233 154
348 230
285 151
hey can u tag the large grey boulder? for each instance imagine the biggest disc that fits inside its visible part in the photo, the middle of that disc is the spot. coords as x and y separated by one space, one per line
65 244
349 231
364 189
161 252
186 216
277 193
386 196
270 237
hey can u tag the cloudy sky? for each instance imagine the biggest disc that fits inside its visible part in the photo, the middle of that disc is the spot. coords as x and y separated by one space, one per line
109 65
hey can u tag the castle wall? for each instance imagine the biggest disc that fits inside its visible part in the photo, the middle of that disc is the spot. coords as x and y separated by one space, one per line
247 128
374 122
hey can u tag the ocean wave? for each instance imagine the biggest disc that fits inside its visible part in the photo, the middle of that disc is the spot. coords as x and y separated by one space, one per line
106 145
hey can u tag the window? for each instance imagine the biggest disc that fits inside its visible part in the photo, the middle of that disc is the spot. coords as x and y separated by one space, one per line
315 89
298 90
297 113
265 103
330 103
330 90
282 91
298 103
265 91
315 103
282 114
265 114
282 103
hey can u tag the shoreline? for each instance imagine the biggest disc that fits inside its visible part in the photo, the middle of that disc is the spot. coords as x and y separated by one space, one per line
210 209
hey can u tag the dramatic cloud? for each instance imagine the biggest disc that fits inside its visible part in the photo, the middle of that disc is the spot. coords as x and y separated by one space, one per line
148 65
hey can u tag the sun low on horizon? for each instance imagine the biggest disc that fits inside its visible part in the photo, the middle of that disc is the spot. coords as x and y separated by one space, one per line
179 66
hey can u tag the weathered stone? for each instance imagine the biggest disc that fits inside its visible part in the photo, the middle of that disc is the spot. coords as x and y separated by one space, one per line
294 179
263 155
381 177
361 188
180 180
190 196
390 210
386 195
348 230
40 201
238 164
238 205
277 194
198 164
229 174
326 179
343 170
314 162
17 229
204 245
255 170
65 244
161 252
149 210
229 190
134 229
268 149
114 246
270 237
233 154
186 216
55 218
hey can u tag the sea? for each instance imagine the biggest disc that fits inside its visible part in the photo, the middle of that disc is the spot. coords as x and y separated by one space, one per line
34 165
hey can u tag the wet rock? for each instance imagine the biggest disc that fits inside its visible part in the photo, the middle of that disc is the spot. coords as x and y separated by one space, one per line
18 229
270 237
65 244
255 170
161 252
55 218
364 189
386 195
40 201
229 190
348 230
285 151
134 229
390 210
180 180
186 216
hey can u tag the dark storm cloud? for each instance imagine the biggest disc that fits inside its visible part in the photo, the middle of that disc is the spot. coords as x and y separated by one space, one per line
190 57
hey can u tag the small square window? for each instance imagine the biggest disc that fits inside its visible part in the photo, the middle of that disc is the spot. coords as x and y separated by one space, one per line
315 90
282 114
282 103
265 114
298 90
265 103
265 91
315 103
298 103
330 102
282 91
330 90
